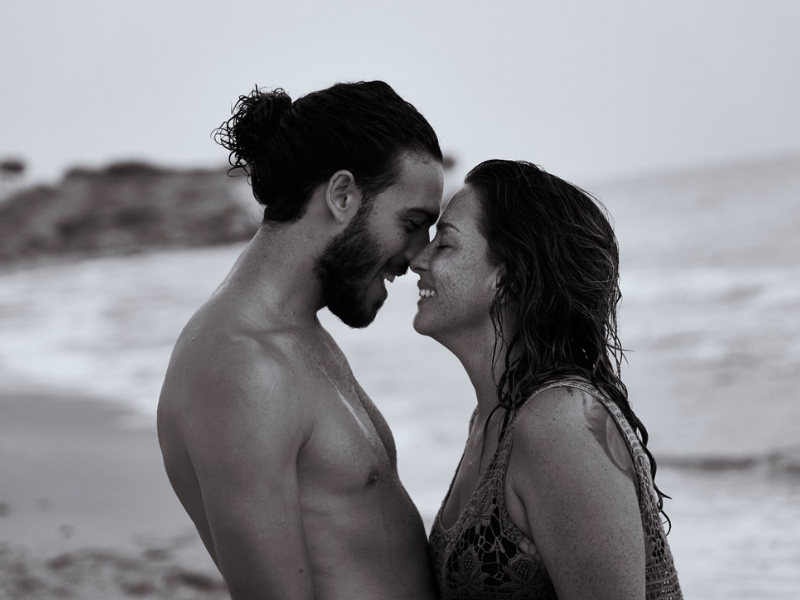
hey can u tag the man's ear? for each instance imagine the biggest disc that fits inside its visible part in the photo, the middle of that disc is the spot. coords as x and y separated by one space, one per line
342 196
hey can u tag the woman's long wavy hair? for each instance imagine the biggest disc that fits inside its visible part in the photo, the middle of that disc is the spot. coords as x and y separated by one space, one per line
560 279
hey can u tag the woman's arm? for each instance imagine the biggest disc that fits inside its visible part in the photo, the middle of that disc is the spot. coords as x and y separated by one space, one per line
571 488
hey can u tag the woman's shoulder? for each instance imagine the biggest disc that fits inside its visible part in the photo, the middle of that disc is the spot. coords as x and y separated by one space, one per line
569 423
558 404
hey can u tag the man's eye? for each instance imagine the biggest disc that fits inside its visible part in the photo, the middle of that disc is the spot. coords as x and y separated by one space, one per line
413 226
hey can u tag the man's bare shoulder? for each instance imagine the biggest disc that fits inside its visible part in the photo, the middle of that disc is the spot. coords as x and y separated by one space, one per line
224 371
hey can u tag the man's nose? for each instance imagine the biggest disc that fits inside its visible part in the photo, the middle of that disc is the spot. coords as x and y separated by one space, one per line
420 261
418 241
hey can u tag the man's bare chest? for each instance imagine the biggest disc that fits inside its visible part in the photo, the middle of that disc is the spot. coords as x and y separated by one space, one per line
350 437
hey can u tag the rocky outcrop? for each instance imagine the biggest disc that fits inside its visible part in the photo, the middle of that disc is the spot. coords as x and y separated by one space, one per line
124 208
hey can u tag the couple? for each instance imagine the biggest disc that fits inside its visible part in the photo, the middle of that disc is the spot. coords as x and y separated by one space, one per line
285 465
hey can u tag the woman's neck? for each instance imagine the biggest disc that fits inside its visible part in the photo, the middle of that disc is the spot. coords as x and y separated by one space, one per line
476 351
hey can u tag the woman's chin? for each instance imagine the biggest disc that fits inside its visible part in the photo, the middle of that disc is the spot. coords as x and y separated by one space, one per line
420 324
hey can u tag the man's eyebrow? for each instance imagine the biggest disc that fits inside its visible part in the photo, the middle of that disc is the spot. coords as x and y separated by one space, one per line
446 225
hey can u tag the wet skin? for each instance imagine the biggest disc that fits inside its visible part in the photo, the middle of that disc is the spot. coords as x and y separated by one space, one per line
284 464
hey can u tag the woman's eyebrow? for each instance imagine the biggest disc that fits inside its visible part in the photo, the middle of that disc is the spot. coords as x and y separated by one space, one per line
441 225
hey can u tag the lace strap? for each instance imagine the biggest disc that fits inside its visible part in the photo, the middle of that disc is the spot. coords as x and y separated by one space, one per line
634 444
505 443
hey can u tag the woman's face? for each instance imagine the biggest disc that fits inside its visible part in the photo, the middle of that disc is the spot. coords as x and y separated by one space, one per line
457 282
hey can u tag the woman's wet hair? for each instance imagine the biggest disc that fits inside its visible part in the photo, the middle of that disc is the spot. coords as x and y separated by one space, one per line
560 281
289 148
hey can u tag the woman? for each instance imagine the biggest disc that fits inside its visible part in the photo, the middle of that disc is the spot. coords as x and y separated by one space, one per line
554 495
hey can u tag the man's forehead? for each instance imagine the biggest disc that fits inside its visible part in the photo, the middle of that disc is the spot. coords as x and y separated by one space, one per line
417 194
423 178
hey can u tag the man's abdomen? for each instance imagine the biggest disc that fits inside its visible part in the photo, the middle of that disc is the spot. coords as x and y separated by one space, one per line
367 543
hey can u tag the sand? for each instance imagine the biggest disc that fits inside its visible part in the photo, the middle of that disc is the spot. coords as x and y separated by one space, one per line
86 510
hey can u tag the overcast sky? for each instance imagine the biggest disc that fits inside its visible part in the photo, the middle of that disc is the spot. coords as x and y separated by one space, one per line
591 90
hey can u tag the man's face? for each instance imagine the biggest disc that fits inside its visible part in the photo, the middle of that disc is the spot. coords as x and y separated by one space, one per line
380 242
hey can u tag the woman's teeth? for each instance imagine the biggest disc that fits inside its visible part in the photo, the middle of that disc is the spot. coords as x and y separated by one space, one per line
425 293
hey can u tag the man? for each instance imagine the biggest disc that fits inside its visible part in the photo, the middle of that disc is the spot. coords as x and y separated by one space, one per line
281 460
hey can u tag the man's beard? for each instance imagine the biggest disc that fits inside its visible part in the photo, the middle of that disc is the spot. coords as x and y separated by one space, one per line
345 271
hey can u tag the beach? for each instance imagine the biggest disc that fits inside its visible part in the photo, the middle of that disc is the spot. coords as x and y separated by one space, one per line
709 313
86 510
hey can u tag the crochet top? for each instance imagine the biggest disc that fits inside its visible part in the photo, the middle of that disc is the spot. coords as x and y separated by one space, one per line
484 555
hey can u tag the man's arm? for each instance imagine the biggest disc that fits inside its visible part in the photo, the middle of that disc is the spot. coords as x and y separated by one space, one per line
572 472
243 440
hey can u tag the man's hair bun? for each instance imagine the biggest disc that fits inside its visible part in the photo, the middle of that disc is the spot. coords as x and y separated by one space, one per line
256 117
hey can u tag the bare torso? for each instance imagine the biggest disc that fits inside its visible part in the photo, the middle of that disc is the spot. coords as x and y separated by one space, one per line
361 535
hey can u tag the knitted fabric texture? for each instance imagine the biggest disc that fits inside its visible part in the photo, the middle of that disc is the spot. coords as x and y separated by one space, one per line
480 558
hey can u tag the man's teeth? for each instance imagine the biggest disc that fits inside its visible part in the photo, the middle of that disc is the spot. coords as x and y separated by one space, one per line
425 293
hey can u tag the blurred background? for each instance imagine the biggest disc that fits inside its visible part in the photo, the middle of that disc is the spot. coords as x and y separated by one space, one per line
117 220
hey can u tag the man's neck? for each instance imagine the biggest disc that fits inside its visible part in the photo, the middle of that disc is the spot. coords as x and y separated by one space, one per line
275 276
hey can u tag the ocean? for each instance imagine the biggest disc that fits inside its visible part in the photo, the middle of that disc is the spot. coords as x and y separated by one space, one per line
709 315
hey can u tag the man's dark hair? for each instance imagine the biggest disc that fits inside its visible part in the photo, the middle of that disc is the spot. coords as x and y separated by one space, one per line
289 148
